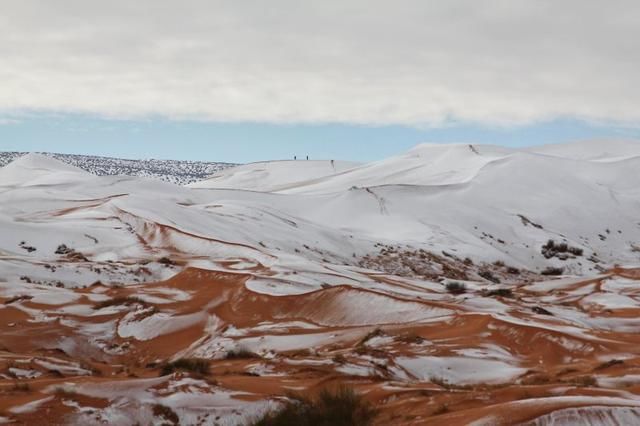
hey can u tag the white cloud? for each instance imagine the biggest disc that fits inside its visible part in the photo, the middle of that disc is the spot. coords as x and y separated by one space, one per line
373 62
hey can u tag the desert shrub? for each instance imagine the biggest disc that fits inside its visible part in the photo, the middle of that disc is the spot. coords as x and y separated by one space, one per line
146 313
526 221
343 407
63 249
584 381
70 253
455 287
410 337
551 270
28 248
166 413
498 263
166 261
119 301
540 310
488 275
560 250
194 365
501 292
577 251
513 271
241 353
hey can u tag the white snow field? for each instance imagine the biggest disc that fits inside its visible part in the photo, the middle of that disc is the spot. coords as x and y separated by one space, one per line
272 176
483 202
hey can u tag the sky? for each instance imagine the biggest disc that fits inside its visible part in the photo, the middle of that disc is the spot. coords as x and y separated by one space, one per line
350 79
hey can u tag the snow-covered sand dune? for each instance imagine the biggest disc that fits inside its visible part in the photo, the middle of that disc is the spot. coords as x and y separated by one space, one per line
272 176
426 280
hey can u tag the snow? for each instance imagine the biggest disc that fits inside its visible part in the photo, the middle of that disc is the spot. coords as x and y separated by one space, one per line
63 367
270 176
394 204
156 324
619 382
592 150
355 370
24 374
30 406
611 301
352 307
460 370
589 416
37 169
194 401
39 294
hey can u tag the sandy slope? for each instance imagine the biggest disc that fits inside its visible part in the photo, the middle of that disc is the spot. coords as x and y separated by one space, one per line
331 278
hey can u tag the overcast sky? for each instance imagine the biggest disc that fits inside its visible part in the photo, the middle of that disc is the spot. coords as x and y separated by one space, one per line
415 64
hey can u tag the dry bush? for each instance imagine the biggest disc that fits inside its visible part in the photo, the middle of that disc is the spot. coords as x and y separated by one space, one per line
241 353
342 407
551 270
166 413
501 292
119 301
194 365
455 287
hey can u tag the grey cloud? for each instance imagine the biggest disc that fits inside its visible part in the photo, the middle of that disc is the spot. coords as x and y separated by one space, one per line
371 62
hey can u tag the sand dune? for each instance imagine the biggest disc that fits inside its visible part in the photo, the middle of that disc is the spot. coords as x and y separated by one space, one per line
426 282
